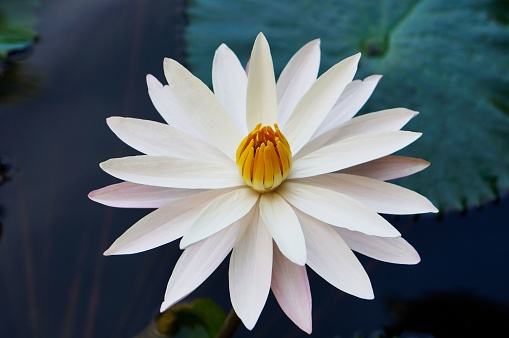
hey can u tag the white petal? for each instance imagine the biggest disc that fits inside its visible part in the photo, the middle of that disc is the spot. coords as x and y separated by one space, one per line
284 227
378 122
317 102
197 263
336 209
391 250
153 138
171 172
203 108
250 271
290 286
167 105
350 152
379 196
230 85
388 167
351 100
296 78
163 225
331 258
132 195
261 104
220 213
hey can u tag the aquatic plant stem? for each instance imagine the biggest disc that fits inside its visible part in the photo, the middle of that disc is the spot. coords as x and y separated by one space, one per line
230 325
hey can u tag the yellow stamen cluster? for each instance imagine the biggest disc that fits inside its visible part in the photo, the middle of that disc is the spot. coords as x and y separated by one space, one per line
264 158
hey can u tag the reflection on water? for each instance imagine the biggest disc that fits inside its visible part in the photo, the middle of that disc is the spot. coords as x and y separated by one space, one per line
18 83
54 282
449 315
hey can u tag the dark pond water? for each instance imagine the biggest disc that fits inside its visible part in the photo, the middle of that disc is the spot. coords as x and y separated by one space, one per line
90 63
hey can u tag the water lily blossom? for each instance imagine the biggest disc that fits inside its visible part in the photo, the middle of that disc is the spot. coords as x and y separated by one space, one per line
282 175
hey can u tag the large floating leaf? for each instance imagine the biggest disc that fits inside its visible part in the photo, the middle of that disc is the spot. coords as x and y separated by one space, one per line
447 59
17 21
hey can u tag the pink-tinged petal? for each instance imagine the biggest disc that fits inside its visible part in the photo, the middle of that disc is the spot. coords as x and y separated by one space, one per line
132 195
284 227
392 250
251 270
388 167
197 263
296 79
198 101
336 209
229 80
350 152
378 122
164 171
351 100
168 107
317 102
379 196
331 258
261 104
164 225
220 213
290 286
153 138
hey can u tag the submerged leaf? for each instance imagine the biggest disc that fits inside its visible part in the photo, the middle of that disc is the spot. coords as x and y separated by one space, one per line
446 59
200 319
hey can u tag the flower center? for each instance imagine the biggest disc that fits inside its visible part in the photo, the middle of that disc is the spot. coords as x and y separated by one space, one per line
264 158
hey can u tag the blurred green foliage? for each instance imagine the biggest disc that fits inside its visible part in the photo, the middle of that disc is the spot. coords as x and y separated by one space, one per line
17 21
200 319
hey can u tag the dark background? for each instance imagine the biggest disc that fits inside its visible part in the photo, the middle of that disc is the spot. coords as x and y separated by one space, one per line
90 63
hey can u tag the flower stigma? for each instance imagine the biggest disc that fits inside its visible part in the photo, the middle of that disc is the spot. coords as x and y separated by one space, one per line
264 158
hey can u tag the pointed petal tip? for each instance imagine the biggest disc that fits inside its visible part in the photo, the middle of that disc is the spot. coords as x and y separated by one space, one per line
222 48
165 306
110 121
185 242
315 43
261 36
92 195
168 65
367 293
167 61
249 323
416 259
104 165
115 250
375 77
260 40
153 82
109 252
299 259
306 326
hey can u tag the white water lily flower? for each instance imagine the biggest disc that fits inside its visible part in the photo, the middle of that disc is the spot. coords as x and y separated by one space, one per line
280 173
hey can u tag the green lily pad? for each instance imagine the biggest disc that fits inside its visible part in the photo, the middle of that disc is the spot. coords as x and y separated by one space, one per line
446 59
17 21
200 319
